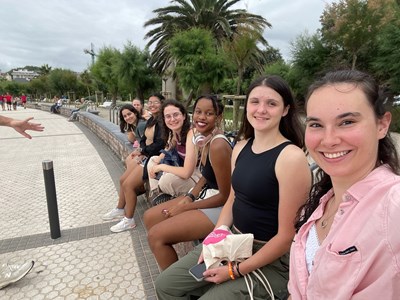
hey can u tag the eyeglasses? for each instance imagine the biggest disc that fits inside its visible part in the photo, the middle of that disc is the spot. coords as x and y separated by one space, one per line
153 103
175 115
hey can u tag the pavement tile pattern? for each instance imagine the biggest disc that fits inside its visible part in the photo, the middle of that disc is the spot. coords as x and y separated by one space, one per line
87 261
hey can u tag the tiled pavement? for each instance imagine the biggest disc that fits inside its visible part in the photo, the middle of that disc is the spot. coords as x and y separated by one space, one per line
87 261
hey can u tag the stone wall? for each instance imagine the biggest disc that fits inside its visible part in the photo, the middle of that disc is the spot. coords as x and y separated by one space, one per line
108 132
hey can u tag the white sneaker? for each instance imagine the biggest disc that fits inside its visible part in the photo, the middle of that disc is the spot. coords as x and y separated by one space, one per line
124 224
115 213
13 273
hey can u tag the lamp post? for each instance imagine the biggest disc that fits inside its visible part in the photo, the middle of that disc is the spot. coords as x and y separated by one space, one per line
90 52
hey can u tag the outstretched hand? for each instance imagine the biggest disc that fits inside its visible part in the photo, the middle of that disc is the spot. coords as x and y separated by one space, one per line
22 125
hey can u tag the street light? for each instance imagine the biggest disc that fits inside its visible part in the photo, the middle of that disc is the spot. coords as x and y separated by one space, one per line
90 52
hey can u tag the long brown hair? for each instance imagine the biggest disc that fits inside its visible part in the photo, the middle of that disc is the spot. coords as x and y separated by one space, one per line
290 125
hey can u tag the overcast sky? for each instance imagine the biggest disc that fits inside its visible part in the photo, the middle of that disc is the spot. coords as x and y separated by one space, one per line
55 32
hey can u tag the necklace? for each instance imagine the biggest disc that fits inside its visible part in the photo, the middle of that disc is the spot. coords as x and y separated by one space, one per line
324 222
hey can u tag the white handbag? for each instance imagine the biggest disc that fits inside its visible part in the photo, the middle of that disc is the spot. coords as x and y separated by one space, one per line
222 245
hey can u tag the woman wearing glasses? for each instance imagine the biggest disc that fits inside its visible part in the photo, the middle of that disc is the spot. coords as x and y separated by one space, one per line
173 172
132 181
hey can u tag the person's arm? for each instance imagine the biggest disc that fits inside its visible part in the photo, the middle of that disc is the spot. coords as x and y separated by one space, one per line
155 147
226 218
131 136
21 125
220 156
189 164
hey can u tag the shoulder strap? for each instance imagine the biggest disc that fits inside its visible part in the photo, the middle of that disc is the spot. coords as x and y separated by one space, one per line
220 136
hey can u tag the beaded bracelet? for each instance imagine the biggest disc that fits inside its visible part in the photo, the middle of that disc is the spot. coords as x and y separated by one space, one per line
230 270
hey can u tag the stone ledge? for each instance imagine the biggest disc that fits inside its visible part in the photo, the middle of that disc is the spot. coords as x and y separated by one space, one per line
109 132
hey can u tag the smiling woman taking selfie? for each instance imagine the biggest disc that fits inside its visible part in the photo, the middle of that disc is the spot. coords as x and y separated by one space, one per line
348 245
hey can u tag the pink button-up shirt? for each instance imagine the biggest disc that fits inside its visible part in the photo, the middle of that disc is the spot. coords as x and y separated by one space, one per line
360 257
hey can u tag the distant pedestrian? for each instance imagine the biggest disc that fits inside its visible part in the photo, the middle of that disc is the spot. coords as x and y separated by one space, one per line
23 100
8 98
74 113
2 99
55 108
15 103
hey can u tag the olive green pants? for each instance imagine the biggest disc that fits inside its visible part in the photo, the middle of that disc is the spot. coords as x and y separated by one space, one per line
176 283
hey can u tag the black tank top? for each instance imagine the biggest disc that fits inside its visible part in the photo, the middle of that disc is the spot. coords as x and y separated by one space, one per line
255 209
207 170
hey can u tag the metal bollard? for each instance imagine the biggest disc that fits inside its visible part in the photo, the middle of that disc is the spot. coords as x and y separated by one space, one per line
52 207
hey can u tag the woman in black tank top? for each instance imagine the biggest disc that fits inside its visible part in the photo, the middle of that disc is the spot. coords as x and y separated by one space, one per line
270 181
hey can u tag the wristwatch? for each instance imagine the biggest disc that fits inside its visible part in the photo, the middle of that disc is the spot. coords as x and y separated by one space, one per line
191 196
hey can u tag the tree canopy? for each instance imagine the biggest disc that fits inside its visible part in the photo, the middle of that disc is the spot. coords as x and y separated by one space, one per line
218 16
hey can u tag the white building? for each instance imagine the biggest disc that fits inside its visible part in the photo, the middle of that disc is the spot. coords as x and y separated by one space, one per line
23 74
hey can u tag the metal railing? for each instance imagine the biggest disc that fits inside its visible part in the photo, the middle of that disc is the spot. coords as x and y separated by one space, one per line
113 113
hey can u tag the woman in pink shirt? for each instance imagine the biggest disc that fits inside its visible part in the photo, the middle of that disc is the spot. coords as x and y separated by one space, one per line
348 242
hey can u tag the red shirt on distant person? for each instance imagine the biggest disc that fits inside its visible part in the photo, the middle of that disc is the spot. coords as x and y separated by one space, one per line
8 98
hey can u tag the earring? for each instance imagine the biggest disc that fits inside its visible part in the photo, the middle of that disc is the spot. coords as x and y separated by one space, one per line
126 127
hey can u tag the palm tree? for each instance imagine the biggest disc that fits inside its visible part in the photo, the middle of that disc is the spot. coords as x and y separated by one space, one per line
214 15
44 70
86 79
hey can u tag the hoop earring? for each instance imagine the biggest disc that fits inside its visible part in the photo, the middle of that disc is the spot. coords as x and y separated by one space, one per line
126 127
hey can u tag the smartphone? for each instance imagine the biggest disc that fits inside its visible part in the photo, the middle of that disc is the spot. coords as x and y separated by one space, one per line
143 161
197 271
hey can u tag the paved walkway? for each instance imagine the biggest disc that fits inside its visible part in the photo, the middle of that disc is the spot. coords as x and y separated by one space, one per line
87 261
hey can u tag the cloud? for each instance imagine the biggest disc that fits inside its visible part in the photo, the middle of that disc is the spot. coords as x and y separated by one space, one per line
55 32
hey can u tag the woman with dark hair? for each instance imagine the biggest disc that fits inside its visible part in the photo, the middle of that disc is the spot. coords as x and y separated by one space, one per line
128 122
270 181
132 181
347 245
144 116
173 172
193 215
